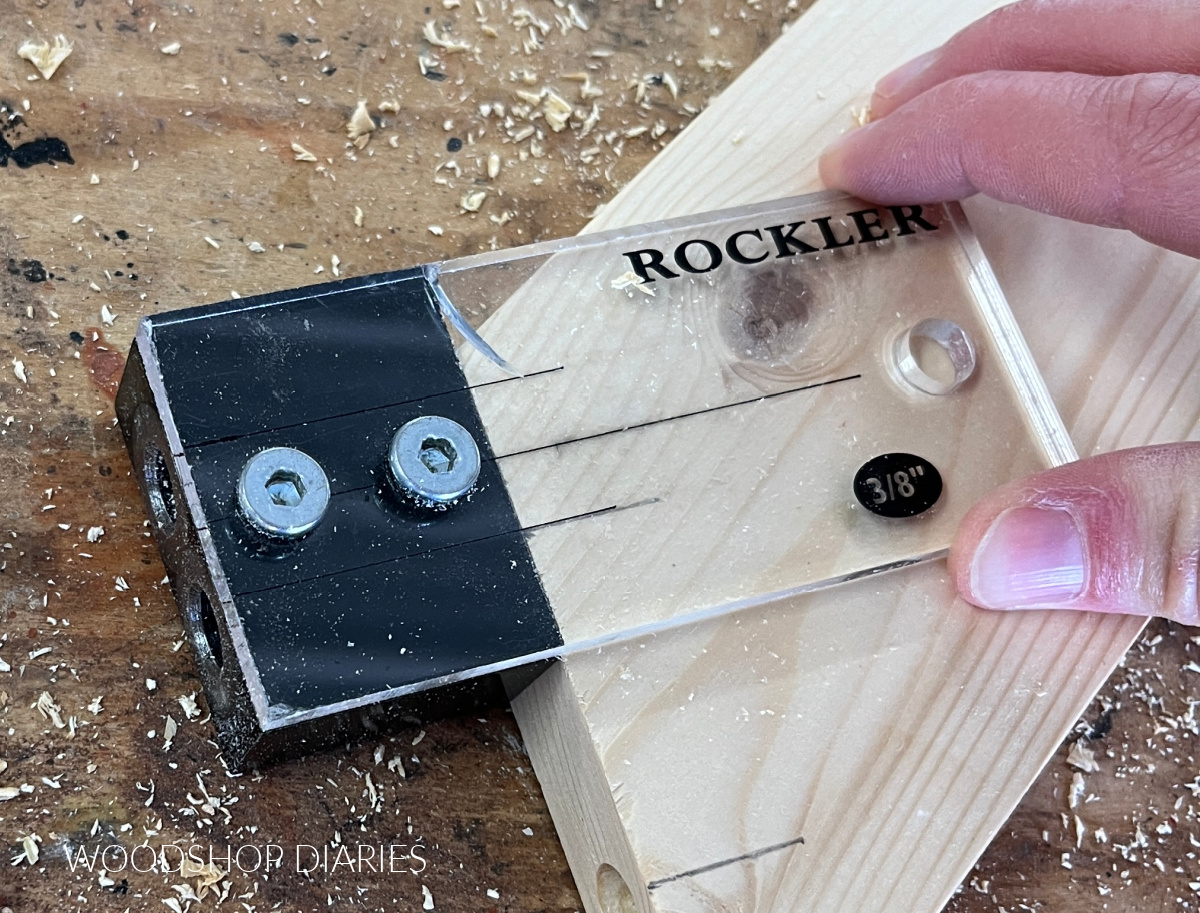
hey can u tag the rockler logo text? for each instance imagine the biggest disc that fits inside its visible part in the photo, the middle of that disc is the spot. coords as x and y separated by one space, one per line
754 245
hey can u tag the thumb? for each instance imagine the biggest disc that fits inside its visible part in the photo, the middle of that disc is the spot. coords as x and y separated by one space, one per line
1115 533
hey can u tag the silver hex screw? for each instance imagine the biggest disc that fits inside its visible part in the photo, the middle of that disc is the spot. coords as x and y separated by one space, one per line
283 493
434 460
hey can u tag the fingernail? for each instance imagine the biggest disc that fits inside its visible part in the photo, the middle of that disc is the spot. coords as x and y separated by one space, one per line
893 82
1031 557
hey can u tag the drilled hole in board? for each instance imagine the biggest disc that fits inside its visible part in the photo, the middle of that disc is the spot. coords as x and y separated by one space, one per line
614 893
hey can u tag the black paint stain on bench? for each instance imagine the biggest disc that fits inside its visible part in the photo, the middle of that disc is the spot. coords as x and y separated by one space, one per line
44 151
32 270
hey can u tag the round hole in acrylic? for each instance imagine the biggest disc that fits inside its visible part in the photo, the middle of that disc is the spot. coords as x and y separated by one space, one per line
936 356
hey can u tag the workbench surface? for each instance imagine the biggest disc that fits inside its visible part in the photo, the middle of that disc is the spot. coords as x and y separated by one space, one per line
184 154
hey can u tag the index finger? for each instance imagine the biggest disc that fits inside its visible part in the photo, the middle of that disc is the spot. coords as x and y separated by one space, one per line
1120 152
1093 37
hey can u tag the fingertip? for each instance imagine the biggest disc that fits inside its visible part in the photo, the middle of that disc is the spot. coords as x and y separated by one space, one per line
971 531
959 565
882 105
902 83
833 163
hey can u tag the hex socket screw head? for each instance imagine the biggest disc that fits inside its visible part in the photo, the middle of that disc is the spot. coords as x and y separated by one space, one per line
283 493
434 460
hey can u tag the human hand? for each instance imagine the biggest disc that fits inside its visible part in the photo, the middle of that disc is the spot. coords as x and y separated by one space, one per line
1086 109
1090 111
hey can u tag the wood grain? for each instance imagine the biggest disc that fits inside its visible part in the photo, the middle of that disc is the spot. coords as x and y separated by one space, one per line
894 745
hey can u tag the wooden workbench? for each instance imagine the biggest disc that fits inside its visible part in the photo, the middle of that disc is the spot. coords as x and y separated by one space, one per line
185 187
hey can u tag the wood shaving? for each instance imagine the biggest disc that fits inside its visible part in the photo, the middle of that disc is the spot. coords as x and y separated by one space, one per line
19 370
50 710
372 792
360 125
631 279
428 895
106 315
557 110
172 49
587 91
188 703
45 56
206 874
590 121
441 41
577 19
1083 759
169 731
472 200
302 154
9 792
29 844
1078 790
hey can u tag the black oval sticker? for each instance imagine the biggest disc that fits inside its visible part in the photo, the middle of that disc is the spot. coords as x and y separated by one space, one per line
897 485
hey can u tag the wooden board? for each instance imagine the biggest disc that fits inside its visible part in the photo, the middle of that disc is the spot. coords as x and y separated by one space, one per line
857 750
